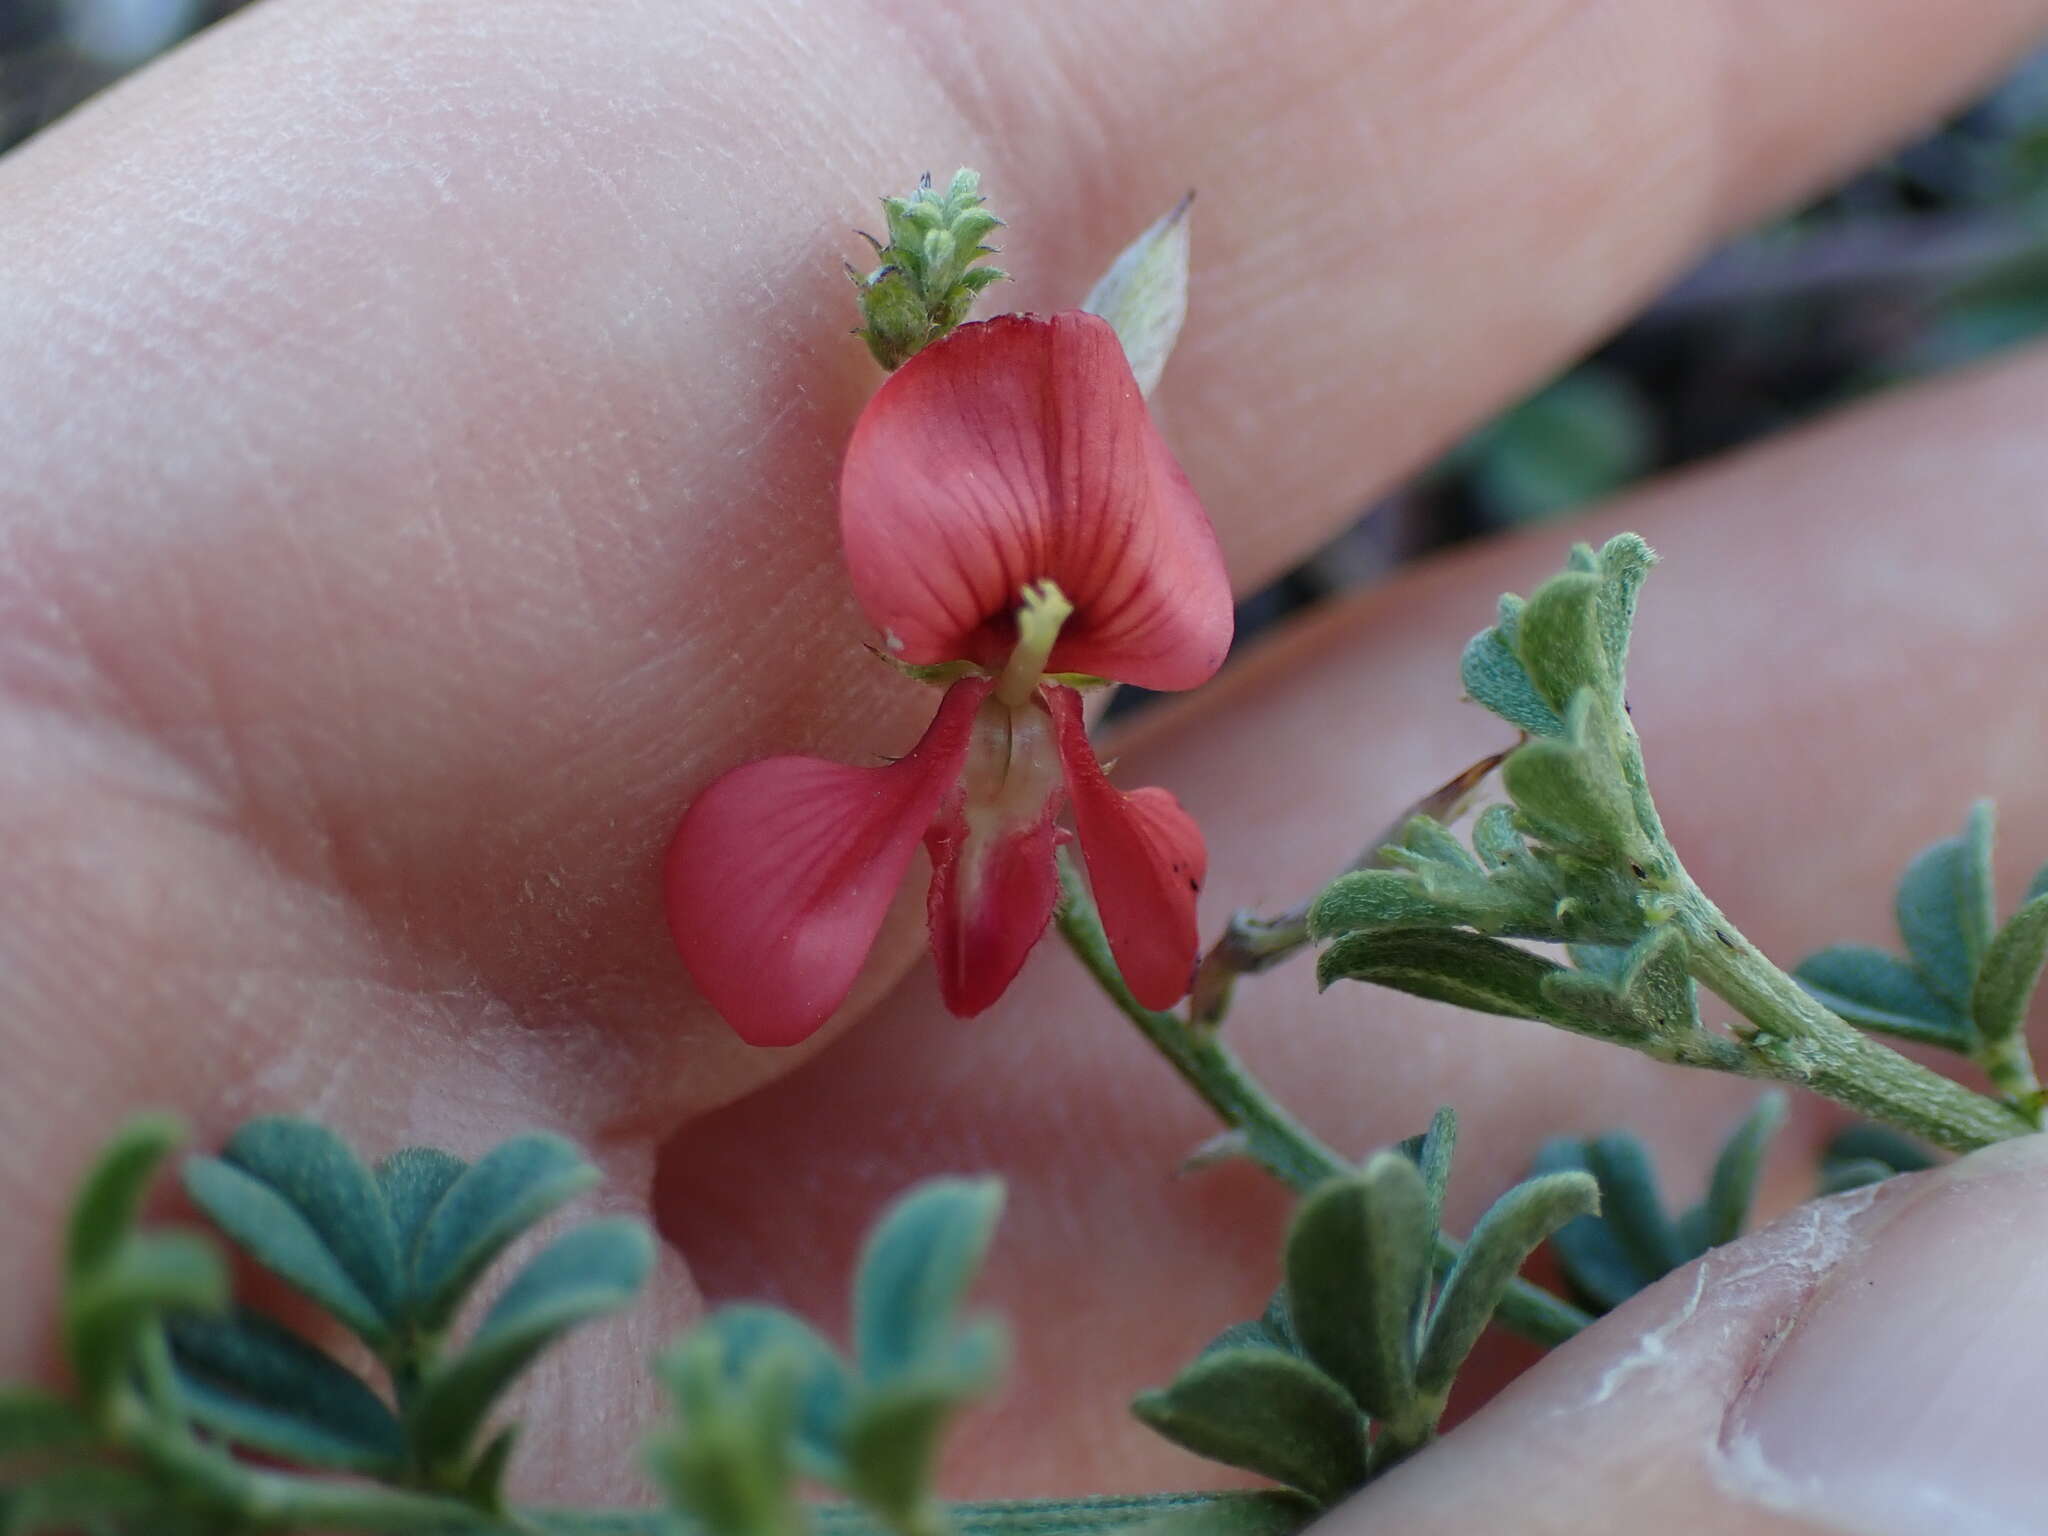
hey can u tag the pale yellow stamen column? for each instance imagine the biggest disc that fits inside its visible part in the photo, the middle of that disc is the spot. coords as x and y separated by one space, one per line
1044 609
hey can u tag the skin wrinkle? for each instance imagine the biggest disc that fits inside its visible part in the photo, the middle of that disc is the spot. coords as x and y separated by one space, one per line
214 786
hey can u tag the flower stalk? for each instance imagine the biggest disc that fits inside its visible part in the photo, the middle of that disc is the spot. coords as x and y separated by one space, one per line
1272 1137
1251 943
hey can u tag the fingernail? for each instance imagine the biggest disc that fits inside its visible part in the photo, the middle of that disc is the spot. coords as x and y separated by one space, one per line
1905 1398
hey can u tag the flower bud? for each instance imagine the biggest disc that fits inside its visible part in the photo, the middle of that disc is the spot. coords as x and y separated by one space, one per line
926 281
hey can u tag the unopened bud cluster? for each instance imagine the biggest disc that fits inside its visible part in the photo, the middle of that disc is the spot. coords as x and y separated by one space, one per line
926 281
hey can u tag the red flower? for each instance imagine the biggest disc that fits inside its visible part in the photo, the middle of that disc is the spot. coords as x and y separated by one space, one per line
1007 504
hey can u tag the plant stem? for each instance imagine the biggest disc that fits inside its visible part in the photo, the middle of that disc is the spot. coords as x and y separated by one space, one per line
1251 944
1796 1039
1234 1514
287 1501
1273 1138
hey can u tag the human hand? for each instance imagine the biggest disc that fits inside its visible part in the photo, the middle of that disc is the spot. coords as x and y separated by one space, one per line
421 426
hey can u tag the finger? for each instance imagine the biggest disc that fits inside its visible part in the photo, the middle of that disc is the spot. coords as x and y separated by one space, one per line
589 1403
1868 1364
1824 678
1589 151
418 480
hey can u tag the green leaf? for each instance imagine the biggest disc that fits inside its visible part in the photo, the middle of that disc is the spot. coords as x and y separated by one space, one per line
1570 792
302 1204
1559 642
2010 972
1358 1267
1431 1153
746 1334
497 1198
1495 679
583 1274
1578 439
112 1191
1838 1176
1369 899
485 1484
728 1465
893 1434
1600 1267
1496 839
725 1479
1854 1151
1425 840
917 1265
1144 294
265 1223
148 1275
1881 992
1254 1334
1625 560
1278 1320
2039 887
1450 966
92 1500
260 1385
1732 1190
1610 963
1945 908
1645 989
1507 618
35 1422
1506 1235
414 1181
1631 1205
1268 1413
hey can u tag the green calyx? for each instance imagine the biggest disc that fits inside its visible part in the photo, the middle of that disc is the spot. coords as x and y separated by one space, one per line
926 280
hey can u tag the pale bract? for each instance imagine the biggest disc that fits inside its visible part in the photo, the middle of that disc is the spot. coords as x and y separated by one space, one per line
1144 294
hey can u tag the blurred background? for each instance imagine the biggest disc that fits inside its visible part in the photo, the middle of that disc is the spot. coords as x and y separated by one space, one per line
1934 258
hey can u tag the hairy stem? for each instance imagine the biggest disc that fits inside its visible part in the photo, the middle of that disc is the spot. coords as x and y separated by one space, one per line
1796 1039
203 1476
1272 1137
1251 944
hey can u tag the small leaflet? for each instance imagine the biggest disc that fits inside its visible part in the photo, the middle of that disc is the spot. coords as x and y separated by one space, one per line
1144 294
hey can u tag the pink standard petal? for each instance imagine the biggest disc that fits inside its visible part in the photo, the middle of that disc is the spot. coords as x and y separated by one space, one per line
1016 450
782 871
994 882
1146 862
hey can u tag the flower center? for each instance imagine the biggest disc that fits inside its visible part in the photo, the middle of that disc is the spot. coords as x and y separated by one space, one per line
1040 615
1012 769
